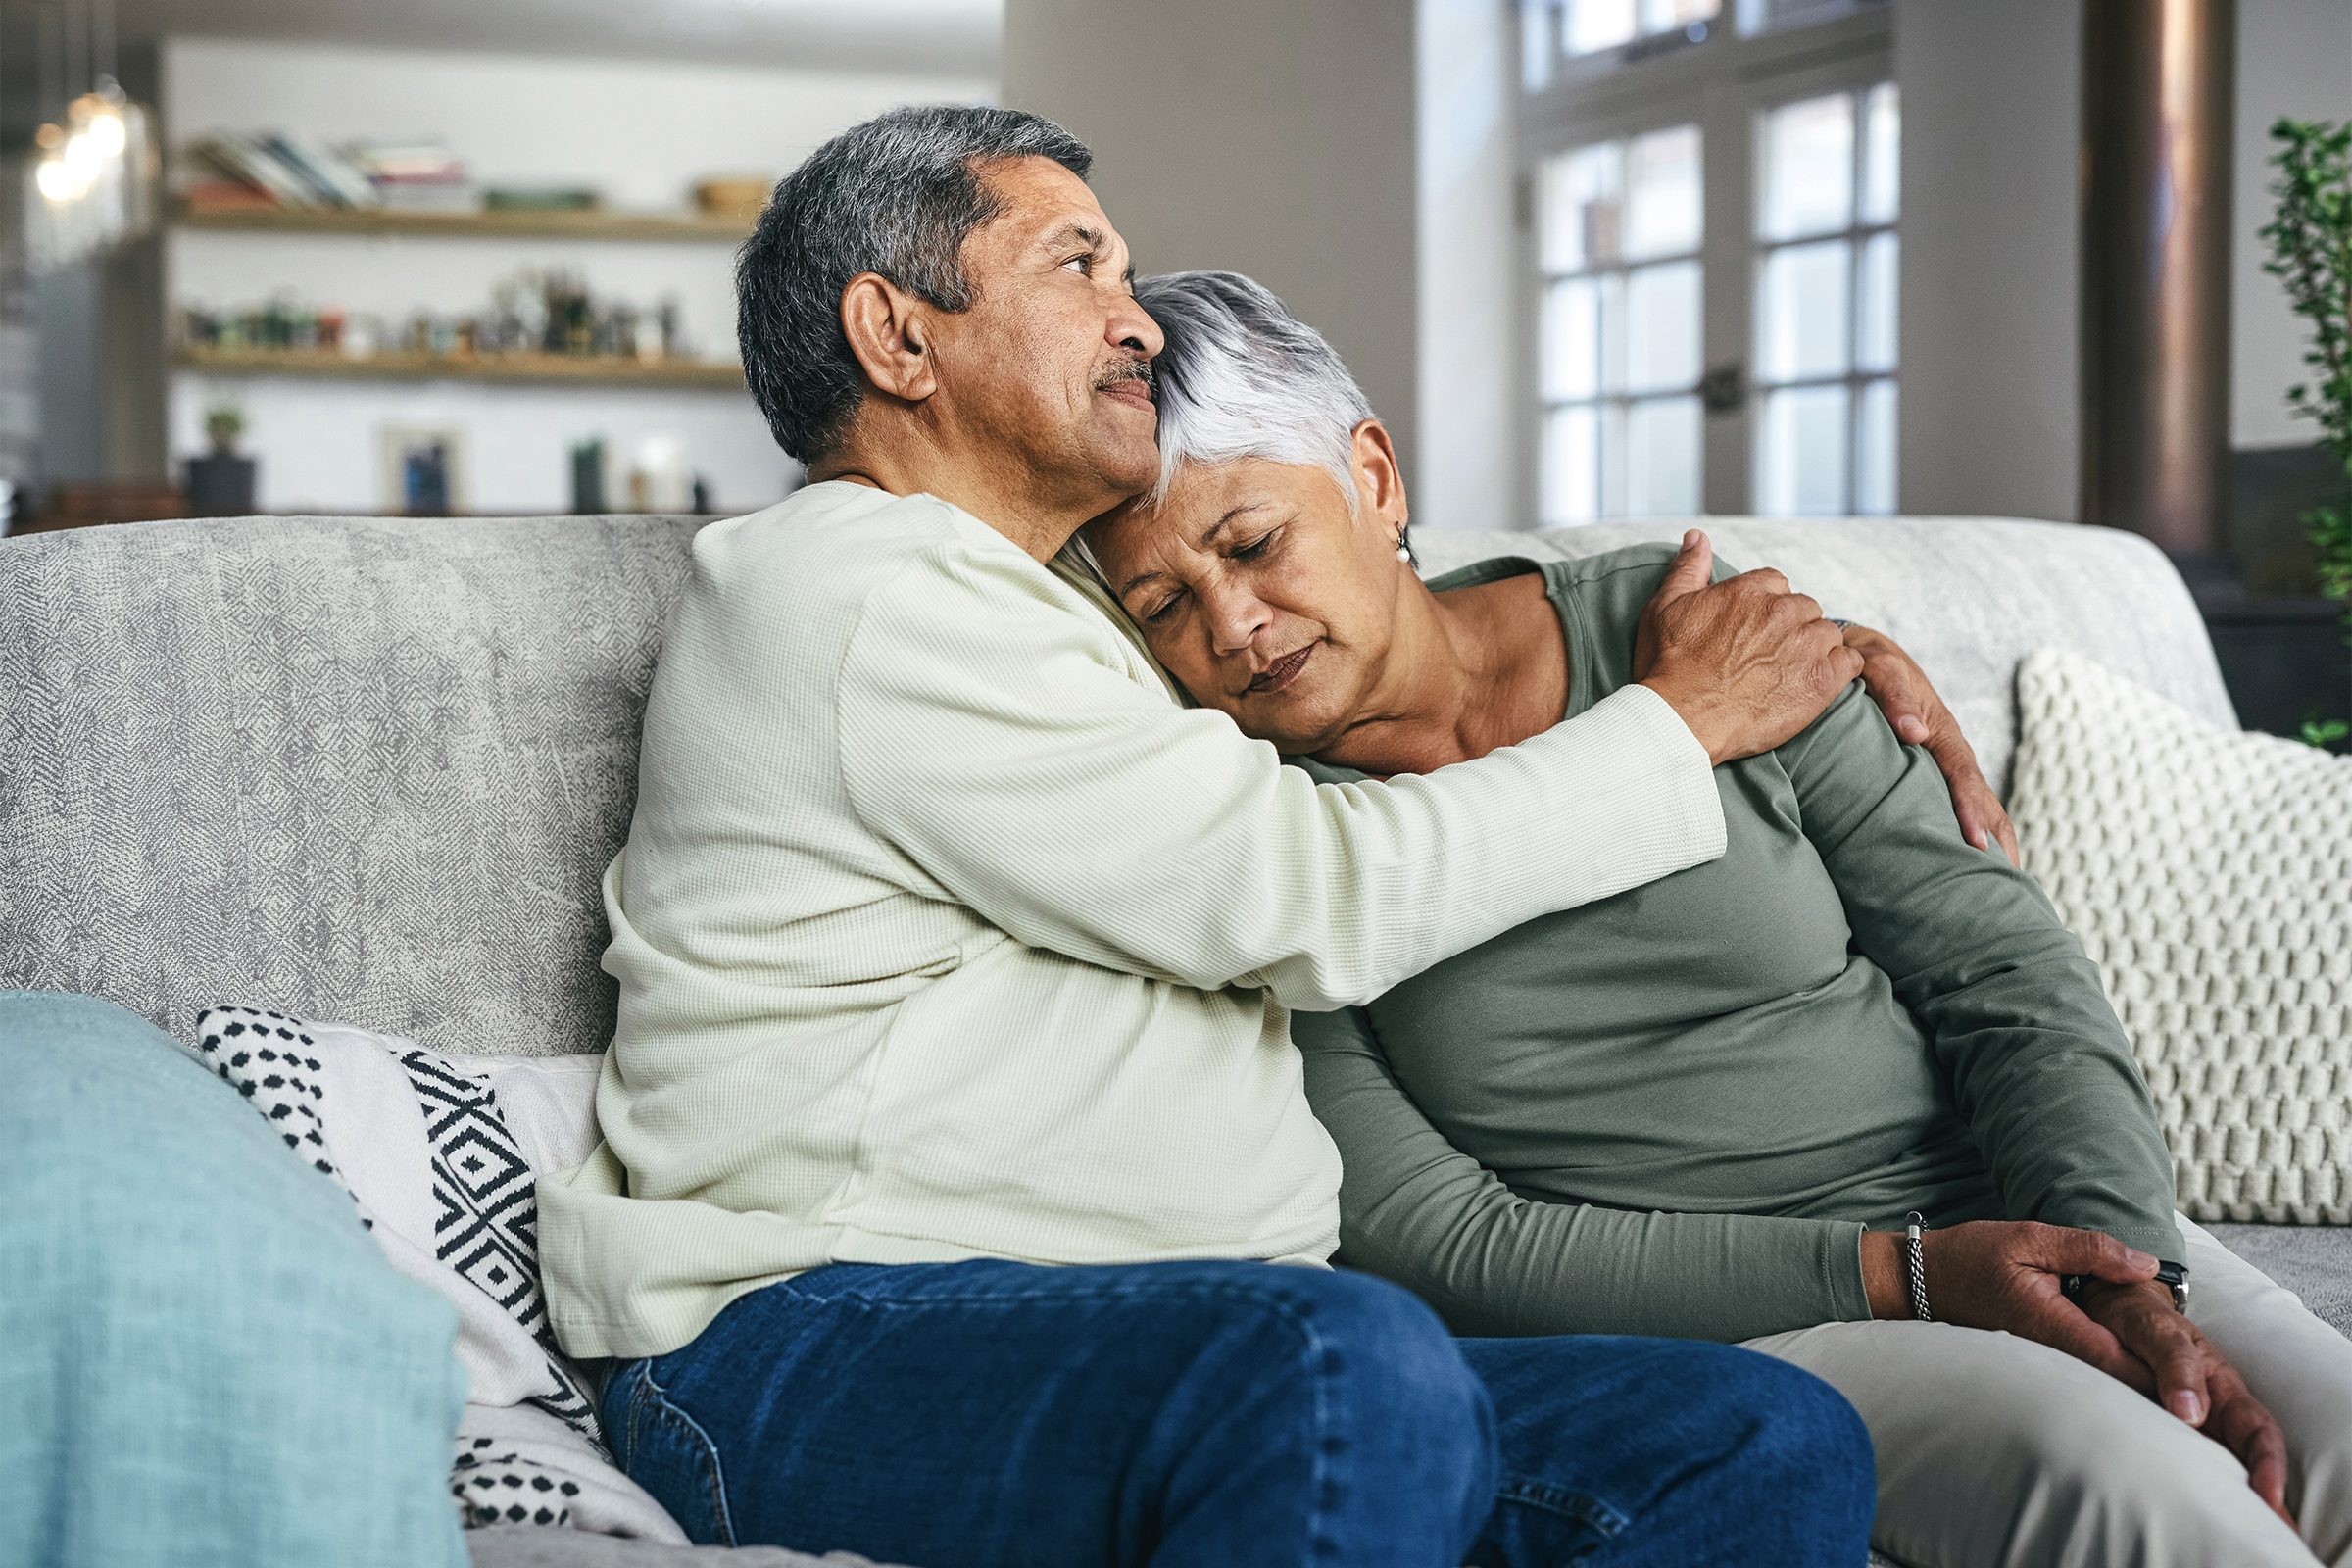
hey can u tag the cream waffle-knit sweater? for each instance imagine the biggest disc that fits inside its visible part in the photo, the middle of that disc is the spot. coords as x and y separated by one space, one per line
944 930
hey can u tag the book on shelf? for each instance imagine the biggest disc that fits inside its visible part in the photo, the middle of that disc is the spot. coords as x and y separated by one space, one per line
338 181
227 196
429 161
245 157
416 176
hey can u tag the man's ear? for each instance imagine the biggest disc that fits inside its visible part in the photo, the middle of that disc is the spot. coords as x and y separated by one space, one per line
1378 477
889 331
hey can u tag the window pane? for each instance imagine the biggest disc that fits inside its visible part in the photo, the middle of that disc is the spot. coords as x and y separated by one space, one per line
1672 16
1808 167
1662 205
1581 207
1874 320
1874 452
1571 467
1882 156
1662 320
1570 345
1662 458
1538 42
1612 459
1802 311
1598 25
1800 461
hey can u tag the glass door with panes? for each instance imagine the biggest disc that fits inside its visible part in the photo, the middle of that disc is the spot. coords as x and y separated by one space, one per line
1711 201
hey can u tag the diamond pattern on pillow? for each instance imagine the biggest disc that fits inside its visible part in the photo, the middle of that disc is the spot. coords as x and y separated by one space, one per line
2209 874
435 1173
487 1225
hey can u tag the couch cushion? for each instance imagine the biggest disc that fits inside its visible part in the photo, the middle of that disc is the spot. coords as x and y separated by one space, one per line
2315 1262
373 768
369 769
1968 597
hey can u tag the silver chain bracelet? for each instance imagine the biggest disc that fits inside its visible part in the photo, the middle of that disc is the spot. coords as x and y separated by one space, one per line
1914 1228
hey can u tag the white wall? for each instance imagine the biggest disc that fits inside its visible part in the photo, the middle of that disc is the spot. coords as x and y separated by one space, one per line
1472 464
1272 139
2295 58
640 131
1990 411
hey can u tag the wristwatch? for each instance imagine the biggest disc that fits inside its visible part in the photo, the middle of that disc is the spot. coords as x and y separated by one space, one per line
2174 1277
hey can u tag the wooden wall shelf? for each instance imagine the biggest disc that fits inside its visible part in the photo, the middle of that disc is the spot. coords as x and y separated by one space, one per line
503 224
577 369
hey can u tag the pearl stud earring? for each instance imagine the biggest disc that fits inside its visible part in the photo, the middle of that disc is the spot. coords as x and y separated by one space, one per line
1403 553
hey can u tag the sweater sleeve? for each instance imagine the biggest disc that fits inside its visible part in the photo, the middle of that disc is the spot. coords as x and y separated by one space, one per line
1419 1211
994 732
2039 1066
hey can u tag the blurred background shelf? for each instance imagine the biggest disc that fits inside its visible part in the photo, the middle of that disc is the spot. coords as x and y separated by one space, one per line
524 223
562 368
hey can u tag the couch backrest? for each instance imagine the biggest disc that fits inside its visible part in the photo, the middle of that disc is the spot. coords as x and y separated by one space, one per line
372 771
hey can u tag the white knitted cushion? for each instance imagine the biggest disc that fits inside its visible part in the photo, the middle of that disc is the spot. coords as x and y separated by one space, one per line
2210 875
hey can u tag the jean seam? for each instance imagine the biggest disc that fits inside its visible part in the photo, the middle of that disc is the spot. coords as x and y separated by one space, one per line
658 1402
1581 1506
629 1420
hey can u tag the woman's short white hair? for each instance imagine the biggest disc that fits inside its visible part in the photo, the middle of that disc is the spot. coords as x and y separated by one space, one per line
1240 378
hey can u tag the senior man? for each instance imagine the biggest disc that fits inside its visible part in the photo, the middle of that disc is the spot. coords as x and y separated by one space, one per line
951 1131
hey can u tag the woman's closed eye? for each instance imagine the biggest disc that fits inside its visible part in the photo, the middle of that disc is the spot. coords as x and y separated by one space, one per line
1257 547
1167 608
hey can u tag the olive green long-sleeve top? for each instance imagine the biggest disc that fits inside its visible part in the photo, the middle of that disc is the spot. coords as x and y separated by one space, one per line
1675 1110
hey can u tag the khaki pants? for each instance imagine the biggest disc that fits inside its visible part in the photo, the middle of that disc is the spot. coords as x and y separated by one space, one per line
1999 1453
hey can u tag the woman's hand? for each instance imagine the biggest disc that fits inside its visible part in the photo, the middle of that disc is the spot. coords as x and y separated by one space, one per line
1901 689
2194 1381
2011 1275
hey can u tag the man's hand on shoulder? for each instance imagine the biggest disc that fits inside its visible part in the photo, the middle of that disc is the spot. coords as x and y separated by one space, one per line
1747 663
1919 716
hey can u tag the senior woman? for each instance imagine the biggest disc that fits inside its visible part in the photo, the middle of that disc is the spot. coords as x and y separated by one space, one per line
1708 1106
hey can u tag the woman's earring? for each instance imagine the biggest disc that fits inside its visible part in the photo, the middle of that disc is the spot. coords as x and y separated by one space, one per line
1404 551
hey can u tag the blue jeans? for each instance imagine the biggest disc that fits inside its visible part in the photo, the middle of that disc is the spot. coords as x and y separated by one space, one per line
1223 1415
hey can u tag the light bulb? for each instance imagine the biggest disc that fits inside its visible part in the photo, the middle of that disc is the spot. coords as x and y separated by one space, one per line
106 132
55 181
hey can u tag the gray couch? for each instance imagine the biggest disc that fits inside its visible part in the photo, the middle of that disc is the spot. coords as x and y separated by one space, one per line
373 769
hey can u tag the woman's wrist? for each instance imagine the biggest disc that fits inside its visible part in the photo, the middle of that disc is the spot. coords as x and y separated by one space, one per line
1884 1276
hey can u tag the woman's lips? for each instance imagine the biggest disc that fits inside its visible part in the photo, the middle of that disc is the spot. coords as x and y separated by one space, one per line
1284 670
1132 392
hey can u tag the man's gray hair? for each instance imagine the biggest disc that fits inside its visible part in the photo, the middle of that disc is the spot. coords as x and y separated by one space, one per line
1242 378
897 196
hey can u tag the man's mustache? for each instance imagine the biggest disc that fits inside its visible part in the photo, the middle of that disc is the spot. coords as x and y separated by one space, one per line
1128 371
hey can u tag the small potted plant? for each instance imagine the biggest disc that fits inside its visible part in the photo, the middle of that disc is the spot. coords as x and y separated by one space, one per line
2311 254
221 483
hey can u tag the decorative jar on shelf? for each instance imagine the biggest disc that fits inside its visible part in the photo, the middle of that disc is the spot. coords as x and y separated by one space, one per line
220 485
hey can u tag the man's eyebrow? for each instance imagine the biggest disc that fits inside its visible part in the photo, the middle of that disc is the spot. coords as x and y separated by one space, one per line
1062 234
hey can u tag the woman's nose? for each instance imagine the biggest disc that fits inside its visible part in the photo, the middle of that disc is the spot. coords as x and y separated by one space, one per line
1234 621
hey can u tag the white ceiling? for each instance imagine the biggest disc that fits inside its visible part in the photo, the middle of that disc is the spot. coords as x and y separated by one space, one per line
948 37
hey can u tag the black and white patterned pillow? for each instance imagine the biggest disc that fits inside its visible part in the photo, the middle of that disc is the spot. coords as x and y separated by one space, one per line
507 1489
485 1225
